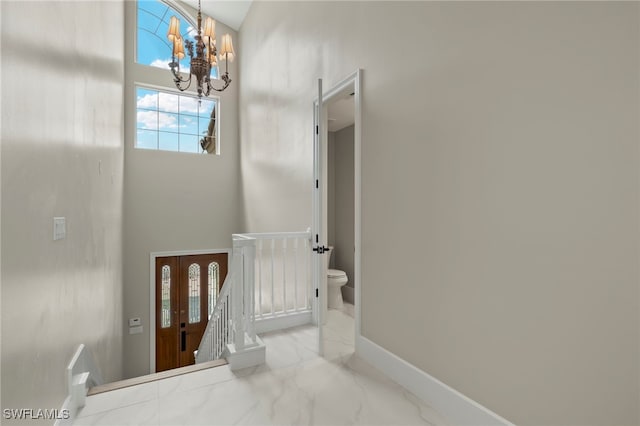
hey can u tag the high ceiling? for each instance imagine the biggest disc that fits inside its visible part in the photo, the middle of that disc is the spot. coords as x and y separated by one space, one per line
229 12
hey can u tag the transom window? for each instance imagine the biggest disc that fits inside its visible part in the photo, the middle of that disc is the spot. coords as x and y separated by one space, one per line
153 47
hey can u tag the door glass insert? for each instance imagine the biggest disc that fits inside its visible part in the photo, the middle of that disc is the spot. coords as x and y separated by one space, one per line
165 321
214 279
194 293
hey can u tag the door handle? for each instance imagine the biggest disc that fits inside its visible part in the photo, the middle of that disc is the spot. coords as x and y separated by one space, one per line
183 341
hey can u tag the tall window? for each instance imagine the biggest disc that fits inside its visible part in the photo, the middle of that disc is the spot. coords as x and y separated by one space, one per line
168 120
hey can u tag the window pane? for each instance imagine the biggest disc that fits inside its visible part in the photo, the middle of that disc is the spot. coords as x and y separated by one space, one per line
214 279
168 102
194 293
147 120
154 7
168 122
188 124
146 99
168 141
156 53
206 107
153 48
189 143
147 139
188 105
165 321
203 126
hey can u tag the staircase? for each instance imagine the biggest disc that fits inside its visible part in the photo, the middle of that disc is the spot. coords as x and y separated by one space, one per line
283 299
230 332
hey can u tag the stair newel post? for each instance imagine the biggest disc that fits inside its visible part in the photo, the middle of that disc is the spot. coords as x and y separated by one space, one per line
238 296
249 288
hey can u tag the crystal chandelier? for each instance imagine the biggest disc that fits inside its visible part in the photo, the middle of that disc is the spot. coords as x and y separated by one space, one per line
206 55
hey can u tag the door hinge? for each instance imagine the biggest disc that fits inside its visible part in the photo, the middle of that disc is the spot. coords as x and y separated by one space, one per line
316 183
317 130
317 293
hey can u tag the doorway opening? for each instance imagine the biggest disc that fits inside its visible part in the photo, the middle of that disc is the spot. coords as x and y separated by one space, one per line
336 211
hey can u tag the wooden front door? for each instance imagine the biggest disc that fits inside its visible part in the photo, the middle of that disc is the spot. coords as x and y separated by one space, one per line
186 292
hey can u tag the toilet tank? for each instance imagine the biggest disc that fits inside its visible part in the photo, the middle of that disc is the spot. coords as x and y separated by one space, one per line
327 258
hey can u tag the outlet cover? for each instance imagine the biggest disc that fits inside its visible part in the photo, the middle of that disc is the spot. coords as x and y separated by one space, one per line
59 228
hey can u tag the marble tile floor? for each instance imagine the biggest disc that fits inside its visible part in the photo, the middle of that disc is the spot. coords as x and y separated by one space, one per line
294 387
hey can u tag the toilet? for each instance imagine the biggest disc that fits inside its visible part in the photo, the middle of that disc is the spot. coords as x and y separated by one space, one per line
335 280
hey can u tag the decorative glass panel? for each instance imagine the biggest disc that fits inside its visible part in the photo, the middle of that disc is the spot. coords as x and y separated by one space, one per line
165 321
214 279
194 293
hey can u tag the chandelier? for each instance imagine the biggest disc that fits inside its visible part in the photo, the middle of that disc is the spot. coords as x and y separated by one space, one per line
206 55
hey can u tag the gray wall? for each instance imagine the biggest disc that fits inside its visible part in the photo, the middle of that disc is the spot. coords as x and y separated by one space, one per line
62 155
173 201
331 191
341 204
499 186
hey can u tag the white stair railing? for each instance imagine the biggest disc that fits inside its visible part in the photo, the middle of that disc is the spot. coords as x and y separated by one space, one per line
269 281
283 274
232 321
219 331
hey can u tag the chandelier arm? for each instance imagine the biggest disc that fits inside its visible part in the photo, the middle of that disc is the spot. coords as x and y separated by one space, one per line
226 80
177 78
188 85
180 86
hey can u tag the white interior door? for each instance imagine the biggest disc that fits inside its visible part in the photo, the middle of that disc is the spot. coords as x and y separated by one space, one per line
318 232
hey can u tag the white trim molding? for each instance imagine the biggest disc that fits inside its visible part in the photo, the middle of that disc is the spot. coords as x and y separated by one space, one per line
285 321
453 405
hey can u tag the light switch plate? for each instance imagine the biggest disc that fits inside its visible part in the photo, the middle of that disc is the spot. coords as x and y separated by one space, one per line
134 322
59 228
135 330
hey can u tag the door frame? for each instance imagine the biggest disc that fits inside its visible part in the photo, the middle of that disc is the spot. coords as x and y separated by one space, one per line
152 292
354 79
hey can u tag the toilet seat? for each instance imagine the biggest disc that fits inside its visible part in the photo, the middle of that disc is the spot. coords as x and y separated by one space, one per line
335 273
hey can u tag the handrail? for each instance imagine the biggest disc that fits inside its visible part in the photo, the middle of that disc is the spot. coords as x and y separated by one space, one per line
218 332
82 373
278 235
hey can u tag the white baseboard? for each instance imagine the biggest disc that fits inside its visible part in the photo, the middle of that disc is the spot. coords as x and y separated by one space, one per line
459 409
280 323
